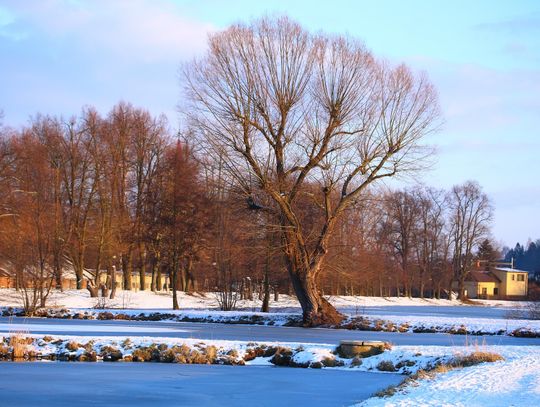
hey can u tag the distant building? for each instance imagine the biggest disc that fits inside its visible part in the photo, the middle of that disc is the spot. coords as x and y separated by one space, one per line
500 283
69 279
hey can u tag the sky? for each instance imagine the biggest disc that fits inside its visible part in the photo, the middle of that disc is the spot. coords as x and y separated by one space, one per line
482 56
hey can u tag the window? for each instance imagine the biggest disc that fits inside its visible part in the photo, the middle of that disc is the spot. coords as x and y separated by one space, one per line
513 277
484 291
496 291
521 277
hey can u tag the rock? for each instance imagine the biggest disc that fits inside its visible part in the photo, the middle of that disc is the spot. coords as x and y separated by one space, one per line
351 349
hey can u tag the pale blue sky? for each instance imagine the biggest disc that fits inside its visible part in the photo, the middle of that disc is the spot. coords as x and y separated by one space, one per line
483 56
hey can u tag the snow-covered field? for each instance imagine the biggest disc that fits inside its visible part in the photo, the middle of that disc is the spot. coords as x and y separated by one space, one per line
163 301
366 313
512 382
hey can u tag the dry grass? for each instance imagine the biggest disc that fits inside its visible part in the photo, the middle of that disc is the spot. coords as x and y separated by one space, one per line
475 358
18 342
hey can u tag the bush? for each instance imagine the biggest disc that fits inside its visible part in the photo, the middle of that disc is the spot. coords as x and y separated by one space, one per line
4 352
146 354
252 353
19 346
475 358
386 366
282 357
110 353
211 353
331 362
73 346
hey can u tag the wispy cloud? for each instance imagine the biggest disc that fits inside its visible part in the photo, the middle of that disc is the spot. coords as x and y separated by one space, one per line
139 29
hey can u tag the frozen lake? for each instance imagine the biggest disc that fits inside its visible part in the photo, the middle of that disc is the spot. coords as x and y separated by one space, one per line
158 384
240 332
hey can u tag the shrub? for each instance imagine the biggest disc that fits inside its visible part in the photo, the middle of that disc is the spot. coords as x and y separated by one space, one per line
356 361
252 353
386 366
145 354
331 362
282 357
127 344
211 353
73 346
4 352
475 358
19 346
110 353
88 357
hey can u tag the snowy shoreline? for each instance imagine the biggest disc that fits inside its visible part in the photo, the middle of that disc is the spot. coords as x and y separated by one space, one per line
379 323
362 313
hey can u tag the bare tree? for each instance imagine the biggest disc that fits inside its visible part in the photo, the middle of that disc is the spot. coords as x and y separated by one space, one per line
286 107
403 216
471 213
429 237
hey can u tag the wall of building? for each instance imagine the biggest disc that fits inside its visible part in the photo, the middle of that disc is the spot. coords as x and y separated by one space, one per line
510 285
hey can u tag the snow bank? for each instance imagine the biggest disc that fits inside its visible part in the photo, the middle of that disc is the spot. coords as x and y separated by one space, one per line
399 359
514 381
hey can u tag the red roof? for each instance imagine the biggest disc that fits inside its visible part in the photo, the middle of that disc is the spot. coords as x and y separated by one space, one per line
482 277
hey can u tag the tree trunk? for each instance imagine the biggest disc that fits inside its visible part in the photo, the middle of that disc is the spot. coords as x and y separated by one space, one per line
316 310
79 276
174 283
461 288
266 288
174 295
92 289
142 269
127 266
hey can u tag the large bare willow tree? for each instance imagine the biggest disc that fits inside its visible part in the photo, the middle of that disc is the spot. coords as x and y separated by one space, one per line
289 109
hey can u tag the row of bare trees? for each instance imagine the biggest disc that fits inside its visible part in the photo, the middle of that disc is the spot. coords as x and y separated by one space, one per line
95 194
292 131
84 195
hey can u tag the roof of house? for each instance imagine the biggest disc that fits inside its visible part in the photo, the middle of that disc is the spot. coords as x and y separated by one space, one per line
482 277
510 270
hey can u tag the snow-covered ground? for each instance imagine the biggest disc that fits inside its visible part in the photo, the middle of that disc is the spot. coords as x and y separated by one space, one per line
514 381
163 301
397 359
367 313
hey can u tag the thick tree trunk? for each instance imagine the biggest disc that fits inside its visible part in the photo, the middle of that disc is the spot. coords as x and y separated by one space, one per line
190 278
92 289
461 288
304 267
79 276
316 310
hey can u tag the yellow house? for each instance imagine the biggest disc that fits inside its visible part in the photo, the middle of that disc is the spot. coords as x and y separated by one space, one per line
497 283
514 283
481 284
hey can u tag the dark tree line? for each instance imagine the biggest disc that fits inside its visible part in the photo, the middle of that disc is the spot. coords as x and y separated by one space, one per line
526 257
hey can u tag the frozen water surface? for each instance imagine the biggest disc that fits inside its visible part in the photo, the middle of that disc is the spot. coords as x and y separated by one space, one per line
153 384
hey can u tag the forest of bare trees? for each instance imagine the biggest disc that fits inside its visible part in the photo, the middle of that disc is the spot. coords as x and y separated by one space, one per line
270 187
